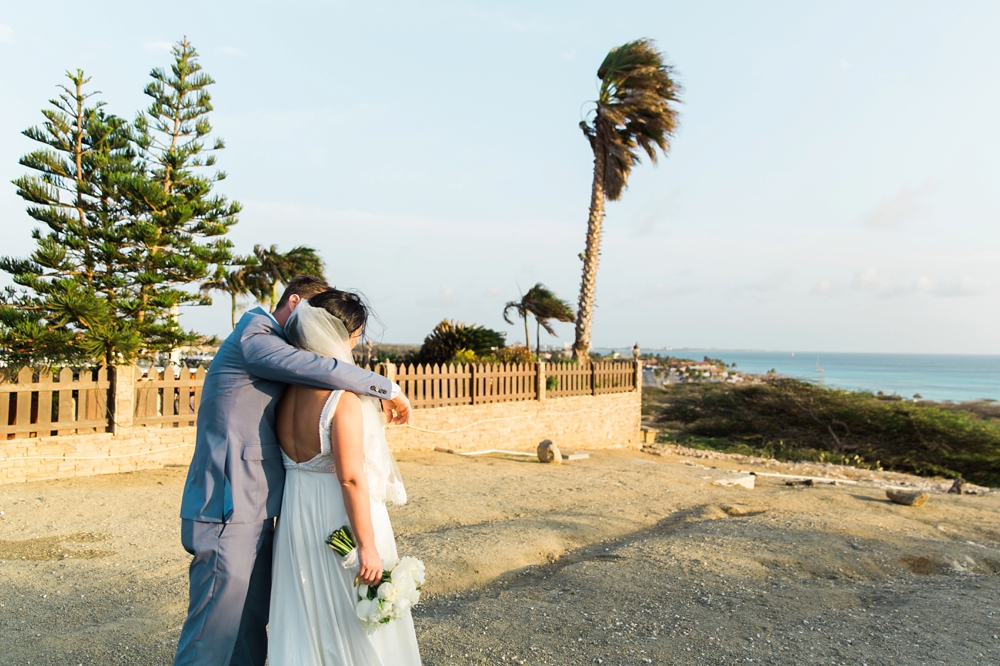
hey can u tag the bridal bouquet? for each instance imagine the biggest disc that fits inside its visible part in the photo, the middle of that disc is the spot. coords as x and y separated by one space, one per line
398 590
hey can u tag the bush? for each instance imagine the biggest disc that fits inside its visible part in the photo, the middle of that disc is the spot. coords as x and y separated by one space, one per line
464 357
515 354
792 419
450 337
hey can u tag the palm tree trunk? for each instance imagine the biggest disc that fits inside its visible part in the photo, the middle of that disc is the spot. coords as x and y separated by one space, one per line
232 315
538 339
527 338
588 284
274 295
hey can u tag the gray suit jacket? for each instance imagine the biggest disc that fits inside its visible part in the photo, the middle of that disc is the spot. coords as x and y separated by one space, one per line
236 474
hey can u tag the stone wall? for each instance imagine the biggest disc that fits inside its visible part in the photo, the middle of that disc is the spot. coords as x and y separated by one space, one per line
579 422
39 458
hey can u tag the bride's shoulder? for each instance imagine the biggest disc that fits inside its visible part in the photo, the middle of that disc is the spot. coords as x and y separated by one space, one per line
348 406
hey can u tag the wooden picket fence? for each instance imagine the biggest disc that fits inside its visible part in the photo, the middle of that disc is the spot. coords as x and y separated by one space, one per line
76 401
57 402
168 398
429 386
433 385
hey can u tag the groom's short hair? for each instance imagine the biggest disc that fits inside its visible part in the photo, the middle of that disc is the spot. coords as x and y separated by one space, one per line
303 286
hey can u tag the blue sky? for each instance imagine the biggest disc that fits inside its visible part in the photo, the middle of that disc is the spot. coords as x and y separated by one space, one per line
833 185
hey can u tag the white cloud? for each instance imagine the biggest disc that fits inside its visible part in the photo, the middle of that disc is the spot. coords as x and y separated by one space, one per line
158 46
964 286
6 34
893 213
827 288
232 51
493 292
870 280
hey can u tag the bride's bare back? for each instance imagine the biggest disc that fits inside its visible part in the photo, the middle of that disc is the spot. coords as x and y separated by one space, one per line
298 421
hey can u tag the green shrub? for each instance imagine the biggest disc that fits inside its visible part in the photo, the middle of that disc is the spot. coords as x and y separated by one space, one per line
791 419
463 357
449 337
515 354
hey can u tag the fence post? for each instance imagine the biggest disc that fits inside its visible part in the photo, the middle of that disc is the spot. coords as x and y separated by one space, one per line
122 400
638 375
389 371
541 380
593 378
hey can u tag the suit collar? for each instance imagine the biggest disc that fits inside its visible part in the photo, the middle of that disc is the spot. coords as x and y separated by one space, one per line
261 312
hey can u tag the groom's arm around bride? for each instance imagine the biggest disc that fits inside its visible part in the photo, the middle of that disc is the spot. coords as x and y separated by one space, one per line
234 485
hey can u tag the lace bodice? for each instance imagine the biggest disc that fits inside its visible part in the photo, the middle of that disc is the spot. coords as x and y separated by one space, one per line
384 484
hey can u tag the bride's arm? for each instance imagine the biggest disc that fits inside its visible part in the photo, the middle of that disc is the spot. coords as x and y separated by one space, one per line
347 437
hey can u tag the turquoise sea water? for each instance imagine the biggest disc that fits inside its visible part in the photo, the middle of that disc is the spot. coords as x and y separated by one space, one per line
933 376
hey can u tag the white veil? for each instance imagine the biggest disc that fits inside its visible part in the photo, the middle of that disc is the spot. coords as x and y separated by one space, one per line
318 331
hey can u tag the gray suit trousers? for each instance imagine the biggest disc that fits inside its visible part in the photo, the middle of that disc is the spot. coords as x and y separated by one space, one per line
230 593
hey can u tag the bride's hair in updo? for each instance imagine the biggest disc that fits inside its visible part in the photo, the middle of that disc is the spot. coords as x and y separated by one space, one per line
346 306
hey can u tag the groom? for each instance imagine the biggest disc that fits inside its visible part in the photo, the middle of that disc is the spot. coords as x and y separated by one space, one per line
234 485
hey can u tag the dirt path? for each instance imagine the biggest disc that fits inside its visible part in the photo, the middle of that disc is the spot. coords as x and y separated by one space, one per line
625 558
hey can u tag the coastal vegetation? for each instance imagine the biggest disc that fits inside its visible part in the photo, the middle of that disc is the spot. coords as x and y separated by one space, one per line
789 419
634 110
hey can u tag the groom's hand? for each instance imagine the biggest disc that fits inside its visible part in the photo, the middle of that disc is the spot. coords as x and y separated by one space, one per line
401 406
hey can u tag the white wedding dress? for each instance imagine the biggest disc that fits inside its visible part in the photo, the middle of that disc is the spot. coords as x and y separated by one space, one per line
313 622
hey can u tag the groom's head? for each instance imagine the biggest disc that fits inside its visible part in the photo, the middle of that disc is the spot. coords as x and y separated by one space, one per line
298 289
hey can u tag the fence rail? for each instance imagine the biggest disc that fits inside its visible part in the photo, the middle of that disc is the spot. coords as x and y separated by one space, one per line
80 401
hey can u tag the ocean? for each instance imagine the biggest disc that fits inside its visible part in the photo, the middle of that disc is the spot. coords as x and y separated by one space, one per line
953 377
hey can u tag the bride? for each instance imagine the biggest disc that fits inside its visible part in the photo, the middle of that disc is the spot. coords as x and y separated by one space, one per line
339 471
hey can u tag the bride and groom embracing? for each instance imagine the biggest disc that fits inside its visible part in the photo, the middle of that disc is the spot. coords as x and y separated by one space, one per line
290 428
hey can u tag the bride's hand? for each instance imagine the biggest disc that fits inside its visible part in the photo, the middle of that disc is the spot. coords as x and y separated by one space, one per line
371 566
401 406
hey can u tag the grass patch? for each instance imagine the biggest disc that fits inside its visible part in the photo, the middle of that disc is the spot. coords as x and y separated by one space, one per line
789 419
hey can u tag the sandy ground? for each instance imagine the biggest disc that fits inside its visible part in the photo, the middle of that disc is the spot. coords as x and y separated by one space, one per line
625 558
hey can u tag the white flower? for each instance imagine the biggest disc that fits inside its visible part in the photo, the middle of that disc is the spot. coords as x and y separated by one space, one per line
412 567
363 591
401 606
363 609
387 591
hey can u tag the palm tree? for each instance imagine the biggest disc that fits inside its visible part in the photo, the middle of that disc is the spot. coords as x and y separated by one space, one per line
548 306
544 305
634 110
521 307
275 268
233 282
